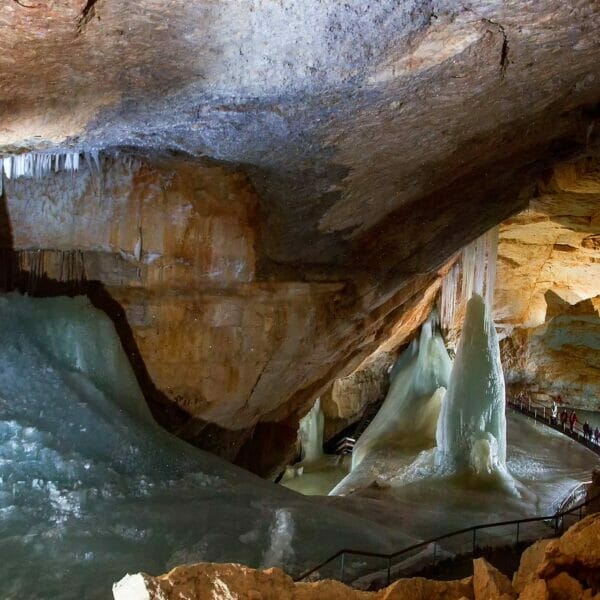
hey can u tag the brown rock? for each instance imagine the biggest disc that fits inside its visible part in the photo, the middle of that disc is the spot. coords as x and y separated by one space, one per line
564 587
548 286
531 561
536 590
208 581
418 588
578 548
489 583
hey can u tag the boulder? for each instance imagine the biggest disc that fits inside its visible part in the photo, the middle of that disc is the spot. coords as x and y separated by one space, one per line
577 552
418 588
209 581
565 587
530 563
536 590
489 583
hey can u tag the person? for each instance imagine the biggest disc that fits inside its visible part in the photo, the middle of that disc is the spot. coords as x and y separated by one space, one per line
554 414
563 418
586 431
572 420
597 435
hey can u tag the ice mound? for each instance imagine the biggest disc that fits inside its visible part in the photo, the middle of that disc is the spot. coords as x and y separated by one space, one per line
317 473
408 417
91 488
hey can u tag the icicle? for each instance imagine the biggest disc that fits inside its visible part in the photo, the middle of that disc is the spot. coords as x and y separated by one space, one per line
492 257
95 155
449 297
40 164
7 165
477 273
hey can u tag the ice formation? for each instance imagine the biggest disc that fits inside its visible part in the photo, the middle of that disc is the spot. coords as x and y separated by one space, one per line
41 164
311 434
409 414
471 432
474 272
91 488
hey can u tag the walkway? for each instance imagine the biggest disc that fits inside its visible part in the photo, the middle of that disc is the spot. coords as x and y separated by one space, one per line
542 414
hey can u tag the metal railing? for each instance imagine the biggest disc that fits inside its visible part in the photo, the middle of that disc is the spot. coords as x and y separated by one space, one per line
556 523
543 414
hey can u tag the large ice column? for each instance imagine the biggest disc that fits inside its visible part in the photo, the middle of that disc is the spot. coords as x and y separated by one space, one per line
471 433
311 434
410 411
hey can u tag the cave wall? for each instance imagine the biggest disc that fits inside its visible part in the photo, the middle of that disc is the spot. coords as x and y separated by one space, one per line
548 288
546 301
227 351
561 357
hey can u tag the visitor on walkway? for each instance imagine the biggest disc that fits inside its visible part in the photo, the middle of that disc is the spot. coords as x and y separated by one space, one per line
587 431
564 417
554 417
572 420
597 436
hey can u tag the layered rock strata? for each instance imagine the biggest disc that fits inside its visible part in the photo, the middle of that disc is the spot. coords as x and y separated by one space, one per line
229 349
548 289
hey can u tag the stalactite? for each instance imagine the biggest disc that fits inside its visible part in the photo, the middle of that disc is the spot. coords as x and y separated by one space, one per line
27 269
40 164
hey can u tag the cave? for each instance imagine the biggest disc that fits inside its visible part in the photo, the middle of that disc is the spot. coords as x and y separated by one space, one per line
284 279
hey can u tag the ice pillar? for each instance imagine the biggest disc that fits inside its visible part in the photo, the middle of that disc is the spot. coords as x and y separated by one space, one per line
311 434
471 432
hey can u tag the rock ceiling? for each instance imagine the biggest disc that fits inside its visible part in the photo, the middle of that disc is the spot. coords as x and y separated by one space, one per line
342 114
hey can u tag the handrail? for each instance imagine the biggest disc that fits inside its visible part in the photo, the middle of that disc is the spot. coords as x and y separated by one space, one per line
573 495
394 555
538 412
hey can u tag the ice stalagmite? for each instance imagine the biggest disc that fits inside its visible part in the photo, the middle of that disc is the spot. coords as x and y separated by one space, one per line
311 434
410 411
471 433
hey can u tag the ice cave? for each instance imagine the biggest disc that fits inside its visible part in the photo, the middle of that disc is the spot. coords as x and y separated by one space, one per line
299 300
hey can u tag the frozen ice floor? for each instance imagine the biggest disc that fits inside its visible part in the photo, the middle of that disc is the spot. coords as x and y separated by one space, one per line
547 464
91 488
